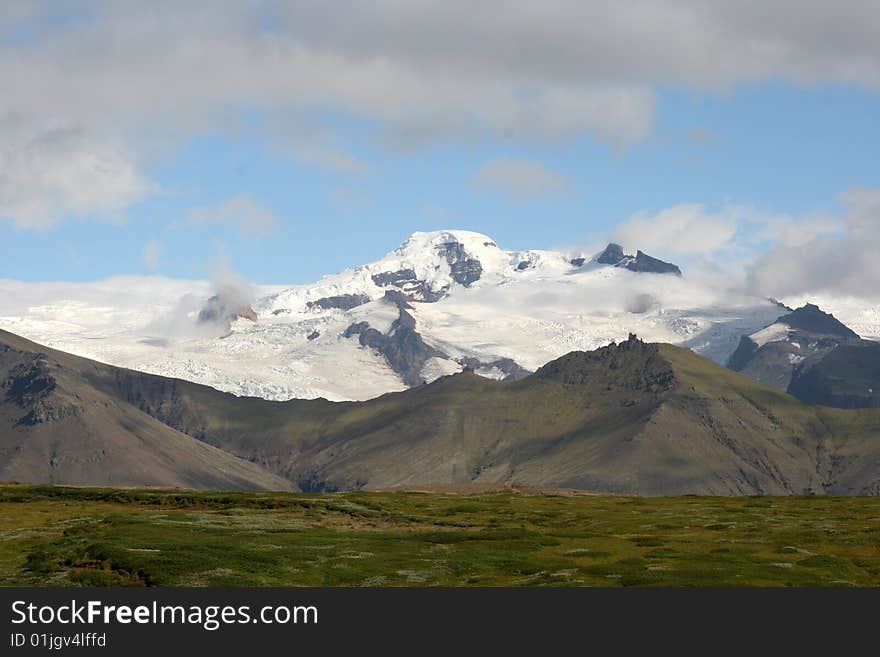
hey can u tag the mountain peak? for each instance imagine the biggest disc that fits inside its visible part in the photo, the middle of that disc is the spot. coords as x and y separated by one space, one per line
632 365
811 318
641 262
428 241
612 254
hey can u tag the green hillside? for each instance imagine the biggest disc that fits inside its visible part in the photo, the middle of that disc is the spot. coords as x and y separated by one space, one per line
632 418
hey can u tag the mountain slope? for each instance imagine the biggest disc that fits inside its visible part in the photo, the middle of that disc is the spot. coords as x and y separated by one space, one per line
632 418
815 357
57 428
628 418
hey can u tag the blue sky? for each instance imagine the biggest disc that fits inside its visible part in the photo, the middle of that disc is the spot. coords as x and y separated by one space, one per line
160 176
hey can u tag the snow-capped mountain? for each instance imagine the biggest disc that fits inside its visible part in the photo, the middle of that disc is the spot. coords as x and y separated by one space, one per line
814 356
438 303
773 354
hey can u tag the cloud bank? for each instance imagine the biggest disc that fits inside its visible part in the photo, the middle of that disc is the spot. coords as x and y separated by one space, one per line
130 80
683 229
843 263
52 169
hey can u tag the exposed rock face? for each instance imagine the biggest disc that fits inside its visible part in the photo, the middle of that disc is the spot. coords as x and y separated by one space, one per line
32 386
412 288
466 272
813 356
463 269
577 262
398 298
523 265
641 262
645 263
314 335
846 377
743 354
394 277
402 347
636 366
29 382
342 302
357 328
612 255
421 291
811 319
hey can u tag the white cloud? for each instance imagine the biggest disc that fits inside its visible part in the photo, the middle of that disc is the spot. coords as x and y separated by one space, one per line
768 254
519 178
785 230
424 72
843 262
683 229
51 171
152 254
433 69
249 217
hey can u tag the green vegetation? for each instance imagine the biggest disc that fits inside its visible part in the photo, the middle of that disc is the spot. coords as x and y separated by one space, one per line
61 536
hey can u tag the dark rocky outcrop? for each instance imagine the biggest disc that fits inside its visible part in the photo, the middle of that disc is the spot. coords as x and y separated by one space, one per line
577 262
398 277
403 348
32 386
848 376
648 264
612 255
641 262
523 265
743 354
466 272
29 381
813 320
421 291
408 285
398 298
820 361
314 335
463 269
341 302
637 366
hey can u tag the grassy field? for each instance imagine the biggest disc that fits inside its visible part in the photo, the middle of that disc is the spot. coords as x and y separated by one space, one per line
61 536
